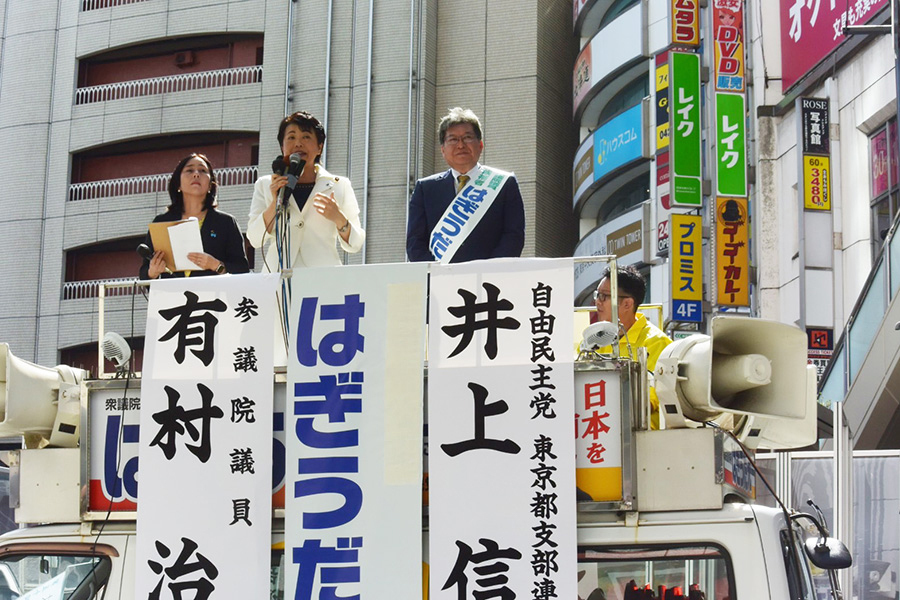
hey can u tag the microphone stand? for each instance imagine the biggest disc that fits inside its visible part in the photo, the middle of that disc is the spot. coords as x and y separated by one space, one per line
283 248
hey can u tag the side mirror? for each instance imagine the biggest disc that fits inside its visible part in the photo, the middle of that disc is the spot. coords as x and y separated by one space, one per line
827 553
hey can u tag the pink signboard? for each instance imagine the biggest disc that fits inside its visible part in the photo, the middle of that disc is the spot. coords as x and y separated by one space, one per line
878 151
812 29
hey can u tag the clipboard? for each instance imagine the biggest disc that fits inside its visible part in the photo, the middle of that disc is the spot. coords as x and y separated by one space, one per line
159 235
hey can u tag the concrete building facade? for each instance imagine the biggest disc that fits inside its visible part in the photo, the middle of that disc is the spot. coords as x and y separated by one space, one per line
99 98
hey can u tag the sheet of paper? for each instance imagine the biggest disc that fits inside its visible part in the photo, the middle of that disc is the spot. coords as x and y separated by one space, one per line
185 237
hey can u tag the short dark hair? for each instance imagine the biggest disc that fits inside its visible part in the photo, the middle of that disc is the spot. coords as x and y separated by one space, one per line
630 283
175 195
459 116
306 122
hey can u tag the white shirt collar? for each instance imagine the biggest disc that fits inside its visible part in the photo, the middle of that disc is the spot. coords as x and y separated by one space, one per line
476 170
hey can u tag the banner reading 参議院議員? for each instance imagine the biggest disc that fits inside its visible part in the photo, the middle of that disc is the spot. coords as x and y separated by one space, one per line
353 483
205 512
501 445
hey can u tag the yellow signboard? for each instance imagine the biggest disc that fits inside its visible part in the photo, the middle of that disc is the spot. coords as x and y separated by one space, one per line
816 182
732 252
662 106
686 235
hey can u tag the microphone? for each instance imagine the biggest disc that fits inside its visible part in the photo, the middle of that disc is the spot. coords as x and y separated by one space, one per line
296 167
278 165
147 254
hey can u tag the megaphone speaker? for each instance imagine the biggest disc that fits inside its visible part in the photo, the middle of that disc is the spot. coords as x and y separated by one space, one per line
30 397
745 366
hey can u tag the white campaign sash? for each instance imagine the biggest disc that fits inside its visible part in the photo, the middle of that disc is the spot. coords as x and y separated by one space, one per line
465 212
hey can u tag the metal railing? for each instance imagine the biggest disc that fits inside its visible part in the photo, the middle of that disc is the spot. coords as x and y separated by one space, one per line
149 184
87 5
79 290
851 349
168 84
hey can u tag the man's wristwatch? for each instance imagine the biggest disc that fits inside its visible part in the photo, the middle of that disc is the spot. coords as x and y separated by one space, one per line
221 268
345 227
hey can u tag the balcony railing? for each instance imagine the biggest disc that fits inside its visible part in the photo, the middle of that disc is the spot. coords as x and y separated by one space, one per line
78 290
880 289
87 5
149 184
168 84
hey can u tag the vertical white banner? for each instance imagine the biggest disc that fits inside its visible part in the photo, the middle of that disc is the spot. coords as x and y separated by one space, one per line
353 501
205 510
500 414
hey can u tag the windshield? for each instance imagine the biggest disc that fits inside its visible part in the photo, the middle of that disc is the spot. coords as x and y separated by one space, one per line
699 572
52 577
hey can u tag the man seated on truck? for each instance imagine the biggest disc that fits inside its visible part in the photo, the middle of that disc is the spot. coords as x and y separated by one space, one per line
640 331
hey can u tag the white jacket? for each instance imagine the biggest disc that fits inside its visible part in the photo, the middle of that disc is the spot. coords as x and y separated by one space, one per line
313 238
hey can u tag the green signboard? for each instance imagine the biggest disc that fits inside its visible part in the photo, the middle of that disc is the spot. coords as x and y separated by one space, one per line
731 164
684 130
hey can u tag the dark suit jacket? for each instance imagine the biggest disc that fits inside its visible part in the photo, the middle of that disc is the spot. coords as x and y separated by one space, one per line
501 232
221 238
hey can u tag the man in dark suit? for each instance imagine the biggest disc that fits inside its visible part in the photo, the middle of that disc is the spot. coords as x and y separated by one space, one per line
501 228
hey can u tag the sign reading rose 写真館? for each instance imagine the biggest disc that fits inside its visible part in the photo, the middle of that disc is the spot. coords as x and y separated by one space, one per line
205 510
500 413
811 30
353 506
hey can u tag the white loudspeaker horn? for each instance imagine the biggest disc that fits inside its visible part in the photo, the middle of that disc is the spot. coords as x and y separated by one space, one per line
30 397
745 366
784 434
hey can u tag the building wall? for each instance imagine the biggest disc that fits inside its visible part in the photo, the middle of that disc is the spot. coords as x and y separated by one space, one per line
862 92
379 75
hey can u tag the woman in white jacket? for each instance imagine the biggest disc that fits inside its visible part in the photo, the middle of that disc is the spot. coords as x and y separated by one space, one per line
322 211
322 208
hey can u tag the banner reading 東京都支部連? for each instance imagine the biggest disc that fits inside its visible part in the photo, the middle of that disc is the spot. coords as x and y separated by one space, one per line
501 444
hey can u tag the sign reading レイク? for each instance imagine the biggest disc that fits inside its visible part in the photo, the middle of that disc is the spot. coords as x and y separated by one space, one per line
684 132
731 165
687 267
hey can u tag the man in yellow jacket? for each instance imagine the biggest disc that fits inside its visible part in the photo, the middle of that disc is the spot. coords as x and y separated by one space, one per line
640 331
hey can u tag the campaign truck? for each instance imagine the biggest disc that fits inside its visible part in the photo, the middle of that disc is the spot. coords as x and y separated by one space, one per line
417 442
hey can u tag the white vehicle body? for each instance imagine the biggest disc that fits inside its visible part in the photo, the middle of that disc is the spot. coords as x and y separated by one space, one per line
681 525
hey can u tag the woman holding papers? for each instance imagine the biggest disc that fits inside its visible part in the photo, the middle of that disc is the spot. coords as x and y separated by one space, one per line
193 190
303 213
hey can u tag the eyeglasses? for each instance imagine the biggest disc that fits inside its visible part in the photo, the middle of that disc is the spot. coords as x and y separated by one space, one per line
603 297
452 140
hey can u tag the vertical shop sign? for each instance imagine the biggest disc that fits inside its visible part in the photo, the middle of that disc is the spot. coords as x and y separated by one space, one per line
684 134
732 252
731 163
687 267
